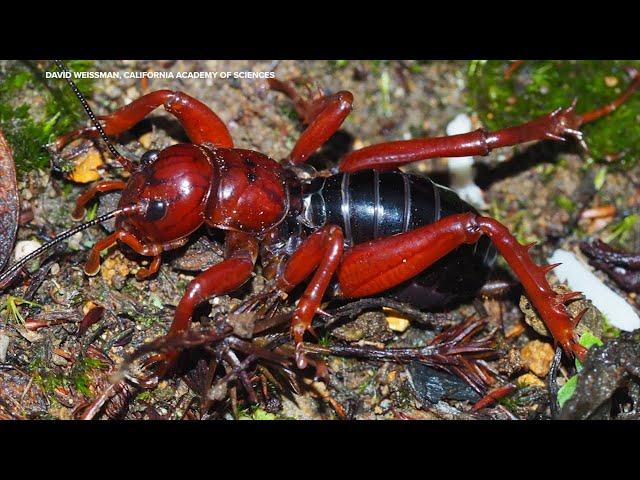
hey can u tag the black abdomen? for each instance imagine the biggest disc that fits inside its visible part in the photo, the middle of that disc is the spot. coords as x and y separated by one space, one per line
370 205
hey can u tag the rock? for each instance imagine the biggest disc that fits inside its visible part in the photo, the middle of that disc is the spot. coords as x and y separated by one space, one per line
86 167
24 248
529 380
537 357
510 363
395 321
432 385
370 326
591 321
4 346
115 269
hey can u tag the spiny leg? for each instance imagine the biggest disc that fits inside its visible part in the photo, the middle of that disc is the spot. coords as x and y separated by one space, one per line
323 116
376 266
321 252
553 126
199 121
86 197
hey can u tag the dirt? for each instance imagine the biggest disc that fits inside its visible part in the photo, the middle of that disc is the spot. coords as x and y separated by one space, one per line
393 100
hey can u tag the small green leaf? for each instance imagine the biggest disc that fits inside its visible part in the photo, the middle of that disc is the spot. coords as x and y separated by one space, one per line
565 203
600 178
622 229
587 340
567 390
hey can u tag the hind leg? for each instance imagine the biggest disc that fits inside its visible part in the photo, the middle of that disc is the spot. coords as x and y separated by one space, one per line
376 266
554 126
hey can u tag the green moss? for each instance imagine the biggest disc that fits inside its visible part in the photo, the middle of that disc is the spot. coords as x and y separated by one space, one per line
11 306
255 413
538 87
51 378
29 129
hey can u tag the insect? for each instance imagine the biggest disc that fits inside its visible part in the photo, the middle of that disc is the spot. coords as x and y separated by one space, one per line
369 226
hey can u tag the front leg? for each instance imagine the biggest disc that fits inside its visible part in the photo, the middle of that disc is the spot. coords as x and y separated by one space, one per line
553 126
241 251
199 121
92 267
376 266
86 197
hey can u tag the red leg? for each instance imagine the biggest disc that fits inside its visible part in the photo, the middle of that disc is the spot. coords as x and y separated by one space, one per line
321 252
92 267
378 265
480 142
87 196
323 117
241 252
144 273
199 121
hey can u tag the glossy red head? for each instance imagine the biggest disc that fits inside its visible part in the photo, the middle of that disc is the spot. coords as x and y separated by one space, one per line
169 194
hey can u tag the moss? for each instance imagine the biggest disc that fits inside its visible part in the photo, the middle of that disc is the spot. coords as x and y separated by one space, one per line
49 379
29 129
538 87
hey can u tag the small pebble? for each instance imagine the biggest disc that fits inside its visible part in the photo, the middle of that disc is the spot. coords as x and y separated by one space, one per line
145 140
537 357
86 167
24 248
4 346
610 81
529 380
74 241
397 324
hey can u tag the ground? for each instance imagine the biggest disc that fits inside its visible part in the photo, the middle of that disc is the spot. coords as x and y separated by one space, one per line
538 192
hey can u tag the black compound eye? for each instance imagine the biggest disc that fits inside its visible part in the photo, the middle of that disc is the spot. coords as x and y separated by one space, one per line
149 157
156 210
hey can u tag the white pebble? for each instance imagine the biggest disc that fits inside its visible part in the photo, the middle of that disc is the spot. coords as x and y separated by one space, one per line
4 346
580 278
461 168
24 248
460 124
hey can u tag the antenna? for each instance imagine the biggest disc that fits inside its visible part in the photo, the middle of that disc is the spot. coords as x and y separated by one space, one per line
123 161
10 272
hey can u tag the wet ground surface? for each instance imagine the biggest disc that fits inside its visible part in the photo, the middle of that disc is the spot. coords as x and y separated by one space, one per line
48 370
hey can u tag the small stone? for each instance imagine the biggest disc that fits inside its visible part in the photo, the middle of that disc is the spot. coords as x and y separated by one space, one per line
87 307
243 324
4 346
610 81
145 140
24 248
59 360
537 357
370 326
113 267
510 363
396 323
86 167
529 380
74 241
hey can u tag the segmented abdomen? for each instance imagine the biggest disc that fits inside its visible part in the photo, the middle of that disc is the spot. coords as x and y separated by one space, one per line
369 205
